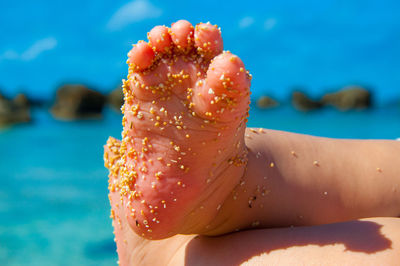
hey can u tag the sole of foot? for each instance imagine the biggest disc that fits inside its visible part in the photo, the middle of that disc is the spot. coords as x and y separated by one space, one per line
182 150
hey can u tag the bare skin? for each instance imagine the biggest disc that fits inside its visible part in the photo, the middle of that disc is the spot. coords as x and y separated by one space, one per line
313 181
187 165
366 241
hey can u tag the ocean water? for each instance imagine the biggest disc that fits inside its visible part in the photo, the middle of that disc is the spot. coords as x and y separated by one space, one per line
53 194
53 187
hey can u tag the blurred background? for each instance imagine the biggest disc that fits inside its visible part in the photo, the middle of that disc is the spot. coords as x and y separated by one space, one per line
329 68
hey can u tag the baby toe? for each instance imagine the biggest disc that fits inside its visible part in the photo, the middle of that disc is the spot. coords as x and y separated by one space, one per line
141 56
208 39
182 34
160 39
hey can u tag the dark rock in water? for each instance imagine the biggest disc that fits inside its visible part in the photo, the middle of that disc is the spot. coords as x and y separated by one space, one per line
266 102
14 111
116 98
303 103
78 102
21 100
351 97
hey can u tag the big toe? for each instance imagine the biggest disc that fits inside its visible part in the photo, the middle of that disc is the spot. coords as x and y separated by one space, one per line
226 90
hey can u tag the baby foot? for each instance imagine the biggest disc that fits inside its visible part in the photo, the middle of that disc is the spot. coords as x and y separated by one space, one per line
182 150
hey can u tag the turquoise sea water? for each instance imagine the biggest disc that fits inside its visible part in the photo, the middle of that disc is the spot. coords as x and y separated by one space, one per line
53 193
53 186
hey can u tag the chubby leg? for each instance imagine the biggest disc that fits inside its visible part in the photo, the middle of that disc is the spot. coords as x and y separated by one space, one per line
294 179
373 241
366 241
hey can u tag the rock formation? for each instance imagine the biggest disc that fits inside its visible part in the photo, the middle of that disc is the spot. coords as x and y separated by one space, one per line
77 102
351 97
14 111
116 98
266 102
303 103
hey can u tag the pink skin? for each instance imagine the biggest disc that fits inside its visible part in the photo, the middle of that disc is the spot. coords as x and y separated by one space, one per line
172 165
182 33
367 241
208 39
141 55
159 39
226 76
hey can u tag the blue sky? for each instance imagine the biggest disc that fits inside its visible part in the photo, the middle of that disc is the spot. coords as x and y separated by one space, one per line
317 45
